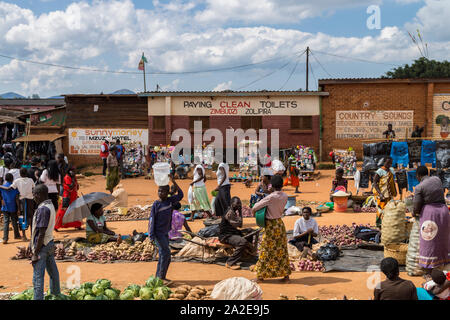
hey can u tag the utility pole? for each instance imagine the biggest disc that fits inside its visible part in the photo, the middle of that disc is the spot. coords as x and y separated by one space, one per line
307 68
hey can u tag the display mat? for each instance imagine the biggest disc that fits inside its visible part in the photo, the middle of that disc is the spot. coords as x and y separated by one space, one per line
358 260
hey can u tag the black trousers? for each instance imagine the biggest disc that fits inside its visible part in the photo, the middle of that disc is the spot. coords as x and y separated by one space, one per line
104 167
54 197
239 244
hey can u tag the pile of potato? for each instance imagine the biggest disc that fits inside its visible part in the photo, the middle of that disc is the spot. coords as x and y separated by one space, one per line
186 292
60 253
109 252
22 254
135 213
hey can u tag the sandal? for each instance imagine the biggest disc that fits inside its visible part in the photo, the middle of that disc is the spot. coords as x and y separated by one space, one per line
233 267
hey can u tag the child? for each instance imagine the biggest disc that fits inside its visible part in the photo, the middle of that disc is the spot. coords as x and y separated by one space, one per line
25 187
339 182
10 204
438 285
160 224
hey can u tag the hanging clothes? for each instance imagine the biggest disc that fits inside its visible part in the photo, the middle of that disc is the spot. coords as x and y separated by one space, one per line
399 153
428 153
402 179
412 180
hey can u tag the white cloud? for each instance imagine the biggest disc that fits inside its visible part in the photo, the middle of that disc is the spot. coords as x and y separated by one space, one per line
112 34
173 86
223 86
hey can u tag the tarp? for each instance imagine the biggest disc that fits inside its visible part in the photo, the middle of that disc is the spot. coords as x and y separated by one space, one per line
357 260
40 137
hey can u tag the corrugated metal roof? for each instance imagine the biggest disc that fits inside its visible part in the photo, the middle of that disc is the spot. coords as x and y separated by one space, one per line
232 93
40 137
32 102
381 80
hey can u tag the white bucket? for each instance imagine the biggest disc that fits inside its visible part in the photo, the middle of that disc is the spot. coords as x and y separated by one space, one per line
161 171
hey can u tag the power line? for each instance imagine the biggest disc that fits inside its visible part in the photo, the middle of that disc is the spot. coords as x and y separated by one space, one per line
312 71
138 73
289 78
356 59
270 73
317 60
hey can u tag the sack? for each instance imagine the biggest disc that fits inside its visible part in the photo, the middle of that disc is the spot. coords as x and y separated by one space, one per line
328 252
412 256
393 226
209 232
237 289
121 198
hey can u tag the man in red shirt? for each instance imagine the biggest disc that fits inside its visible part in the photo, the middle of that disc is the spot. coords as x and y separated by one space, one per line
104 153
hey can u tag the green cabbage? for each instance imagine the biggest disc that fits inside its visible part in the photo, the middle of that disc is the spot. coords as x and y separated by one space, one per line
29 294
20 296
89 297
87 285
111 294
135 289
154 282
127 295
80 294
101 297
104 283
97 289
62 297
161 293
146 293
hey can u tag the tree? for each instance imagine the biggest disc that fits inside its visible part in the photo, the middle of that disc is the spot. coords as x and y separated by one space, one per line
35 96
421 68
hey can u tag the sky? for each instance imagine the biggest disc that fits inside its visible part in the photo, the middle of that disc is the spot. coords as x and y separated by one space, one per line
264 40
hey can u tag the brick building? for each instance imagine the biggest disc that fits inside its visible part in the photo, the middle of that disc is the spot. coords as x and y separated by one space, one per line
358 110
296 114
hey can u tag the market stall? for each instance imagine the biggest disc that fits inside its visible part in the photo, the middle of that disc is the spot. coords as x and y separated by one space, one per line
346 159
306 163
134 159
248 157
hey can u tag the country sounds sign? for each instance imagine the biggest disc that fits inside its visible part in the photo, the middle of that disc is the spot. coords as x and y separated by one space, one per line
372 124
89 141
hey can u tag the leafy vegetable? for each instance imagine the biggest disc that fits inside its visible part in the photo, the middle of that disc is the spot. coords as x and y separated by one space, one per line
87 285
161 293
20 296
97 289
135 289
101 297
111 294
146 293
89 297
127 295
104 283
154 282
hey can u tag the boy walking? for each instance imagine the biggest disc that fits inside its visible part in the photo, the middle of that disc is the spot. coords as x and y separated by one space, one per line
25 187
160 224
10 205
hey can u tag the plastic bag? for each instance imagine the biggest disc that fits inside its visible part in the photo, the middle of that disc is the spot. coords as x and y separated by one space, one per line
277 165
328 252
237 288
121 198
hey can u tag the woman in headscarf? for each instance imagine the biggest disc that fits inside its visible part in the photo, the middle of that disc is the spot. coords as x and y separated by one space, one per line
200 196
430 206
70 194
223 198
273 261
112 175
384 188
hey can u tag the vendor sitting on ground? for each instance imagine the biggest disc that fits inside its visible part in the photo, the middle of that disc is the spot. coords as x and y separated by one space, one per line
305 230
96 230
339 182
178 222
230 234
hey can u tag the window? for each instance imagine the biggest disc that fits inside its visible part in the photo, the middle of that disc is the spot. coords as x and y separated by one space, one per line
301 123
204 120
159 123
251 123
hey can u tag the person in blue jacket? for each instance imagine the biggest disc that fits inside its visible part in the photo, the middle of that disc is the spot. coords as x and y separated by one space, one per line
10 205
160 224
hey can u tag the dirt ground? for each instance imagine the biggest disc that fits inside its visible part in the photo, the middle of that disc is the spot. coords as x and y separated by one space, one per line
17 275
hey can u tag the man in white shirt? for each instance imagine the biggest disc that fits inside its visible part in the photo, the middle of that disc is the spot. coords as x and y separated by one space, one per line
25 187
5 170
305 230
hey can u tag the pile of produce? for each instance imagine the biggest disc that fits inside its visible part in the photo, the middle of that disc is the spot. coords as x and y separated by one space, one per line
29 295
298 297
60 253
340 235
22 254
109 252
186 292
135 213
307 265
369 209
100 290
154 289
